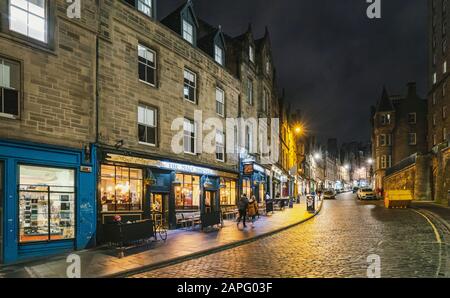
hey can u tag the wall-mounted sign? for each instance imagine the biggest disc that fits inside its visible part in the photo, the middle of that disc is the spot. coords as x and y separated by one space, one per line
248 169
172 166
85 169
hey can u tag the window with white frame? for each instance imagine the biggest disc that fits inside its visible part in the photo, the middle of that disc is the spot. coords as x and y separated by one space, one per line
444 134
250 91
444 67
434 119
251 53
268 66
220 102
147 65
190 86
444 112
145 6
29 18
190 136
9 88
147 125
188 32
412 118
218 54
386 161
412 139
220 145
434 78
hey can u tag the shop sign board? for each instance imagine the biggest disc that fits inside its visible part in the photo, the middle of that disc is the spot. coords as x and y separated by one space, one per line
177 167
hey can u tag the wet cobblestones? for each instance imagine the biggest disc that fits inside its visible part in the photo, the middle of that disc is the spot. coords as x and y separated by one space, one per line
334 244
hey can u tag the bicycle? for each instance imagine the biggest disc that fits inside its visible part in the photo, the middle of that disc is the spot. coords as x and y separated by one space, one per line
159 226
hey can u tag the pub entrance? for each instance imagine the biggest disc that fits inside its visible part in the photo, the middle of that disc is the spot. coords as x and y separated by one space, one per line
159 206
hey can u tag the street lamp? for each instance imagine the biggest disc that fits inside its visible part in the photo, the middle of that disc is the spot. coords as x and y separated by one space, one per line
370 161
317 156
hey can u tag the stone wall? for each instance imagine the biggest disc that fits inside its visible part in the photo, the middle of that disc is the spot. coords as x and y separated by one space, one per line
57 82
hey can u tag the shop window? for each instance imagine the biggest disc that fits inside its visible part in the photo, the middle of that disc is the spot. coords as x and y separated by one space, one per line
190 86
220 102
228 194
220 146
29 18
190 136
46 204
147 65
246 187
147 125
187 193
121 189
9 88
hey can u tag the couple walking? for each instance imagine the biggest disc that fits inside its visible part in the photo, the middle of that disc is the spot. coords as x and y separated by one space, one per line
246 208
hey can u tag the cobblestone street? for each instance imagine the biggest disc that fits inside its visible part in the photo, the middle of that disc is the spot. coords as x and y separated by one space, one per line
334 244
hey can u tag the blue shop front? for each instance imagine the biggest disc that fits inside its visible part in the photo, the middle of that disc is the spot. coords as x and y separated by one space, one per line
47 200
254 180
138 187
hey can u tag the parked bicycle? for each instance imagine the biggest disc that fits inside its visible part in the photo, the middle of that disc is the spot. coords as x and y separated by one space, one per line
159 225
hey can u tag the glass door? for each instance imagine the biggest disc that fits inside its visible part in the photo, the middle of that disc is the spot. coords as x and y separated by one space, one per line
1 211
160 206
210 202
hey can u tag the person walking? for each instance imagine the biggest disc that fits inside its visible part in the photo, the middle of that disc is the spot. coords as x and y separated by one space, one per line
242 207
252 210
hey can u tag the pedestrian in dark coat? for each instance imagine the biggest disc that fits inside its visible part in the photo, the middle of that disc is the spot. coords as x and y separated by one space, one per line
242 207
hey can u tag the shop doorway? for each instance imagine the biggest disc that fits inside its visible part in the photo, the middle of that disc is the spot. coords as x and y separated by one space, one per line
211 209
159 205
1 210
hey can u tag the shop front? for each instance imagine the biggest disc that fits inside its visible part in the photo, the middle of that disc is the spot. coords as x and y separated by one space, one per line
2 177
254 181
139 188
47 198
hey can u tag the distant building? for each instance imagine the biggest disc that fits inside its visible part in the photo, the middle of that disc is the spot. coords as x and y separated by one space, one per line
399 134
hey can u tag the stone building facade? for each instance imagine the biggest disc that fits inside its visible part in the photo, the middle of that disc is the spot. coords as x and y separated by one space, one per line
47 128
399 132
118 103
438 99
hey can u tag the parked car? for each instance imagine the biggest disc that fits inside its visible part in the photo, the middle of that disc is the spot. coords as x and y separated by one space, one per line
329 194
366 194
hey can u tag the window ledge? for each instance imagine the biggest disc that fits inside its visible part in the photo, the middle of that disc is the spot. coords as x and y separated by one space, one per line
147 83
9 116
148 144
15 37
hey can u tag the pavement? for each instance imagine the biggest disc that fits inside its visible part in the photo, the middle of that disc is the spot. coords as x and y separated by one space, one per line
349 239
182 245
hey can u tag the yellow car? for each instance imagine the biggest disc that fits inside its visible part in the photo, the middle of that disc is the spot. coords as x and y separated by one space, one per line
366 194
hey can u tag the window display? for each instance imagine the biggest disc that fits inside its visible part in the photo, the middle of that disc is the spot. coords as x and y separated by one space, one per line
121 189
228 193
187 195
46 204
246 187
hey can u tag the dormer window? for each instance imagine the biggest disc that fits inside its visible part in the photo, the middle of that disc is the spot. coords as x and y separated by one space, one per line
251 54
188 32
145 6
218 54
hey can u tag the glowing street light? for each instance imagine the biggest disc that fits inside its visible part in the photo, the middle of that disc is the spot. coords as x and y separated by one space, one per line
370 161
317 156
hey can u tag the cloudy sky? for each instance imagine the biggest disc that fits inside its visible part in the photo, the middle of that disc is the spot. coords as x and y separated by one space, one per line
332 60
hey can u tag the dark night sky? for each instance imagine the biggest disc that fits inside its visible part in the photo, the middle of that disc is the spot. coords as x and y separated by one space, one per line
331 59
